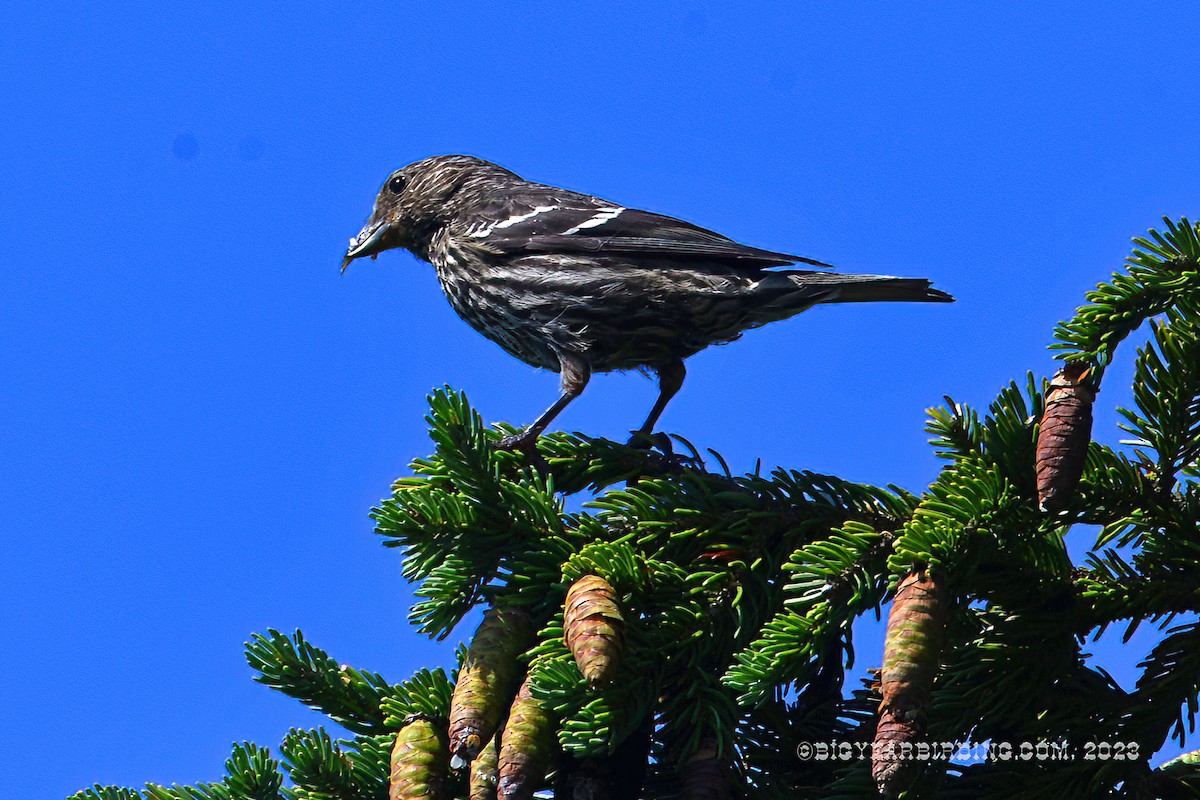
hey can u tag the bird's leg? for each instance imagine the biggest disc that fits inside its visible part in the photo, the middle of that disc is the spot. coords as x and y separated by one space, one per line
670 378
575 373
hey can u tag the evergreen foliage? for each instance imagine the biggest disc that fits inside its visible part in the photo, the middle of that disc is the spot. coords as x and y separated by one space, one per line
724 604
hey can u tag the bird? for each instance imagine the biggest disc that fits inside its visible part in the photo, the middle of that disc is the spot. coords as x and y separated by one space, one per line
577 284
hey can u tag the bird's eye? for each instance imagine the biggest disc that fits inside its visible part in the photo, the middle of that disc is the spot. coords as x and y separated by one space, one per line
396 185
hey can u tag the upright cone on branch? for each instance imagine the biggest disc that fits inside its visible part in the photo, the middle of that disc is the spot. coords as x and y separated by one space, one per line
420 761
594 629
482 784
1063 436
1184 765
487 679
526 745
619 775
585 779
706 776
911 653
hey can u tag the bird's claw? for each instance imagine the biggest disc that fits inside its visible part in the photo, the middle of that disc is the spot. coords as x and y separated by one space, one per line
643 440
516 441
524 442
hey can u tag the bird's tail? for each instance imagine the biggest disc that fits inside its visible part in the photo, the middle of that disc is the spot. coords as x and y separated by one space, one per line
832 287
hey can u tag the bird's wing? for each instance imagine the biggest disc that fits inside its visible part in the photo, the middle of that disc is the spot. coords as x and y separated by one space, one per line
560 222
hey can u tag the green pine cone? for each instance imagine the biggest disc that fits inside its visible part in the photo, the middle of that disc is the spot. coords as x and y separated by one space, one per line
483 771
706 776
911 652
419 761
525 747
594 629
487 680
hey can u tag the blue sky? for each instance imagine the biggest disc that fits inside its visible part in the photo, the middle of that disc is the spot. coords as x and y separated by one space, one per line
200 411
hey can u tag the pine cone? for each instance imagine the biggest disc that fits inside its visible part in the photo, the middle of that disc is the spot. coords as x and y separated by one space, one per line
483 772
910 660
487 679
1063 436
585 779
419 761
1185 765
525 747
706 776
594 629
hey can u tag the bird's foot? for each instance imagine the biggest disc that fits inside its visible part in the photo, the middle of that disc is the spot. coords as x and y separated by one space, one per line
644 440
524 442
520 441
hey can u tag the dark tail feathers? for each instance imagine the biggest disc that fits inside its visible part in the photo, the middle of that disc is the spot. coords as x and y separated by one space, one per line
831 287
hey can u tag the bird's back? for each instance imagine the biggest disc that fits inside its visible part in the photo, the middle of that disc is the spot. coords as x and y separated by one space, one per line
539 269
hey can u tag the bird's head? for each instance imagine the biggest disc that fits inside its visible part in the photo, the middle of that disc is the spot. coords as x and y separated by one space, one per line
417 200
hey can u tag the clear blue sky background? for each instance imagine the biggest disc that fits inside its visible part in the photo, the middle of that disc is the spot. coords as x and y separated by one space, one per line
199 412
